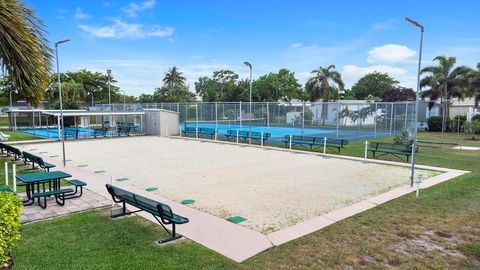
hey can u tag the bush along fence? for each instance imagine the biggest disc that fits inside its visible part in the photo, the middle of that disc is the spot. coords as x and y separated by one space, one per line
10 211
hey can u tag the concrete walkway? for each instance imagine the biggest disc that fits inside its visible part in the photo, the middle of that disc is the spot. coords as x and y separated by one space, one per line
234 241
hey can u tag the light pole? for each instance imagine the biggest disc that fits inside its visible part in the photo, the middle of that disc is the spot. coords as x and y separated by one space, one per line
109 73
250 104
11 104
124 117
60 97
415 121
90 94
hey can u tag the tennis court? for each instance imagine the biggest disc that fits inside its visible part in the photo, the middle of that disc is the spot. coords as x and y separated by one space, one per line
279 132
271 189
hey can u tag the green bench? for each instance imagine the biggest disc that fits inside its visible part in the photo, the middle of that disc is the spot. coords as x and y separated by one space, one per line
394 149
6 189
71 132
190 131
299 140
122 128
27 157
207 132
12 151
335 144
59 196
161 212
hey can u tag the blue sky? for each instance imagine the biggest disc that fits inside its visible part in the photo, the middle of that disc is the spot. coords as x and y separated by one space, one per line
140 39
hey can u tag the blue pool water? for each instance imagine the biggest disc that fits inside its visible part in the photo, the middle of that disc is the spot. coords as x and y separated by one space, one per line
52 133
279 132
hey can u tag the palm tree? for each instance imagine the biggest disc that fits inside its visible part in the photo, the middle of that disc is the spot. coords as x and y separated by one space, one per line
174 77
445 81
325 83
24 51
474 85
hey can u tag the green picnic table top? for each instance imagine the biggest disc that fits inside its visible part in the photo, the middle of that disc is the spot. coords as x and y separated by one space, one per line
42 176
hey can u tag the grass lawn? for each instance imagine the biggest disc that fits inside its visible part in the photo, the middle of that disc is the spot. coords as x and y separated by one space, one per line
19 136
439 230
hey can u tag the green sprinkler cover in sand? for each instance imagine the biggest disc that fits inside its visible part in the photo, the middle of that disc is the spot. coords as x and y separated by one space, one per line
187 201
236 219
151 189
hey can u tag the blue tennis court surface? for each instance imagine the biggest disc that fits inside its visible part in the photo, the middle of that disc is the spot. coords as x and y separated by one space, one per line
279 132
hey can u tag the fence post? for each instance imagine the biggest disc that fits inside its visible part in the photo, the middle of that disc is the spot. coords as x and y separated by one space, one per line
324 145
237 135
14 180
196 132
6 173
261 138
419 181
366 149
290 142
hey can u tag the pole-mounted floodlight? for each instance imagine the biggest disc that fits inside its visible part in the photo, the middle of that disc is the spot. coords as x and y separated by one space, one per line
60 98
415 122
250 104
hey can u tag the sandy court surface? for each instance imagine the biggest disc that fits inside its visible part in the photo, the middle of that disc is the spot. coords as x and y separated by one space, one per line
271 189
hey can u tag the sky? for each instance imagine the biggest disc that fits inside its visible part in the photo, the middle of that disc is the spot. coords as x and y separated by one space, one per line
139 40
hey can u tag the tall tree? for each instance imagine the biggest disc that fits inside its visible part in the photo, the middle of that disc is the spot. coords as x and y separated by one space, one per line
173 77
444 81
24 51
325 83
474 85
226 78
277 86
373 85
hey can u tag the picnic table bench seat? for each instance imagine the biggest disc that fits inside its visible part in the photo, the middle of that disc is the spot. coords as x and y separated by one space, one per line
59 196
395 149
78 185
11 151
160 211
200 132
6 189
123 128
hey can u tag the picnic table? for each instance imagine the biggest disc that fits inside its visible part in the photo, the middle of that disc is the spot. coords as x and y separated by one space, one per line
35 186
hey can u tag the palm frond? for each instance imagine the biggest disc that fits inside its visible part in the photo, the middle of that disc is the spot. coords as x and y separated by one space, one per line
24 50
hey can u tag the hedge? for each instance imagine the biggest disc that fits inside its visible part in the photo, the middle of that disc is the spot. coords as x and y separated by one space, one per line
10 211
435 123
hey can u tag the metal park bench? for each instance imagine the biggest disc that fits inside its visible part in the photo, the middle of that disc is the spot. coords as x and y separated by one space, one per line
27 157
394 149
71 132
299 140
161 212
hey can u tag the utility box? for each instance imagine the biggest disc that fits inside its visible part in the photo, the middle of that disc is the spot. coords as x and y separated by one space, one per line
159 122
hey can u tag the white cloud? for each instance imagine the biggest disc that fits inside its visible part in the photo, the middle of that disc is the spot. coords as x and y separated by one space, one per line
79 14
132 9
390 53
296 45
159 31
120 29
351 73
196 56
101 32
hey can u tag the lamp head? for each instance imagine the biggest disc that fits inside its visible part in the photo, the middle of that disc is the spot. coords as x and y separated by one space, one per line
61 41
247 64
109 72
415 23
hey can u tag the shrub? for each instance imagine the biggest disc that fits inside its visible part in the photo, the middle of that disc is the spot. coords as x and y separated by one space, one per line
472 127
435 123
10 210
405 137
475 117
458 123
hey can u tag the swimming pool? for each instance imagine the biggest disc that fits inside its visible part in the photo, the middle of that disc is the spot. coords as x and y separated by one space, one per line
52 133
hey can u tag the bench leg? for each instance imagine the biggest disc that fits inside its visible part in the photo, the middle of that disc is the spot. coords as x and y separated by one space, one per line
74 194
60 198
173 234
44 202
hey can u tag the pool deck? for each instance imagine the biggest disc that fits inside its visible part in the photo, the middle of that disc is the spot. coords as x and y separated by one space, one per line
234 241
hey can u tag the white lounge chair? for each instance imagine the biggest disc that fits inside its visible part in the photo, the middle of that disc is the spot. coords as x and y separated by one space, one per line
4 137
